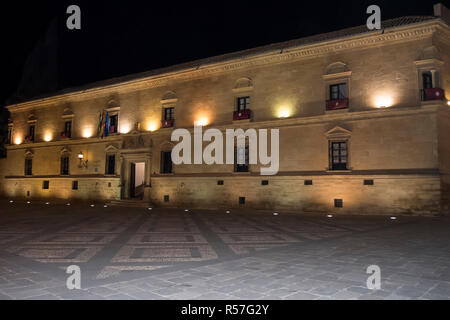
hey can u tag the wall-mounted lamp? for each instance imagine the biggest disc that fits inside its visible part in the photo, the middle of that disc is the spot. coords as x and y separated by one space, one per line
83 163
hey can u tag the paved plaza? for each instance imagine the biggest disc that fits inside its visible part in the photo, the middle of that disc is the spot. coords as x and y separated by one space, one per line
136 253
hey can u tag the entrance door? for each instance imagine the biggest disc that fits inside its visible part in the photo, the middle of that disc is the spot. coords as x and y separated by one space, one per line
133 181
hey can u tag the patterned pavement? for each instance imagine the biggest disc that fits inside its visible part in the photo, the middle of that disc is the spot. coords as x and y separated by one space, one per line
135 253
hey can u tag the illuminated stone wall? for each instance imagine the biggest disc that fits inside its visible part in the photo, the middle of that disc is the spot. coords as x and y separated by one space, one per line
394 138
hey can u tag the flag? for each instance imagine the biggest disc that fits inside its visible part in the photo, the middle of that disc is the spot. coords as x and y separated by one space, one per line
107 125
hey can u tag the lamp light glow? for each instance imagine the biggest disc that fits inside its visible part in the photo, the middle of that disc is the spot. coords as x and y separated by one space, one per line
383 101
201 122
48 137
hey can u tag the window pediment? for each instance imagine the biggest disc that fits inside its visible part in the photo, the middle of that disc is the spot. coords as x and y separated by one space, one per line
338 133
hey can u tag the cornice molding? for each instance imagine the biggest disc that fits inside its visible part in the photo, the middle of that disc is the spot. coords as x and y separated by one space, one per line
403 33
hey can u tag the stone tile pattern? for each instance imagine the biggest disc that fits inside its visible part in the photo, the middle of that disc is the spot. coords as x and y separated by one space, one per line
171 254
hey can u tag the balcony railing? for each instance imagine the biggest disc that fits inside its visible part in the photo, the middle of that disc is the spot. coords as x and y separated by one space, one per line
430 94
66 135
167 123
242 115
337 104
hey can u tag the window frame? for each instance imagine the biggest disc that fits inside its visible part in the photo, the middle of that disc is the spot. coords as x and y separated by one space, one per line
65 167
166 159
28 169
340 165
338 92
108 164
246 104
168 113
242 167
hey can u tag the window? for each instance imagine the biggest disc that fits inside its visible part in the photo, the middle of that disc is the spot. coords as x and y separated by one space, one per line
338 91
241 200
166 162
111 164
169 114
338 203
28 167
113 123
68 129
220 183
242 155
338 155
46 185
308 182
368 182
265 182
65 165
10 135
74 185
427 80
31 132
166 198
243 103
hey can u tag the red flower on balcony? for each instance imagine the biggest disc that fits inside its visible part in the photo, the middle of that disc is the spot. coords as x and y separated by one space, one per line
167 123
242 114
65 135
337 104
434 94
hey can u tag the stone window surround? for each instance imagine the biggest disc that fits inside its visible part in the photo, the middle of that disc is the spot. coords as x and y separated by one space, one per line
337 78
109 151
429 65
65 152
338 134
112 111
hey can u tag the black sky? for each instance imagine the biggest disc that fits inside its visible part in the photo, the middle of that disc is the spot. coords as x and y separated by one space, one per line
124 37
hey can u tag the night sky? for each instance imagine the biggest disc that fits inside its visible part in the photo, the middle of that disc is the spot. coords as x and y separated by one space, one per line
123 37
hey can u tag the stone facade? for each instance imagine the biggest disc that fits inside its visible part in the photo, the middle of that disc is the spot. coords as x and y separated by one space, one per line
395 139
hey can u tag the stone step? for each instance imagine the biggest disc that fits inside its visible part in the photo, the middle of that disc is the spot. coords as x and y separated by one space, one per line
130 203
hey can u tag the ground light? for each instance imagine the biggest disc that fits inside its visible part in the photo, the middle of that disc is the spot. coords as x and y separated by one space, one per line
150 208
105 206
227 211
68 204
186 210
47 203
276 214
393 218
28 202
330 216
92 205
10 201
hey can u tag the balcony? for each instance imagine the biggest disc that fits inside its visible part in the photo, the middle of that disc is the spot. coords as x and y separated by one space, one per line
430 94
167 123
242 115
29 139
337 104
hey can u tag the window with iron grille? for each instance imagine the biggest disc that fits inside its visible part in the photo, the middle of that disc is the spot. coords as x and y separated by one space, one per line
65 165
166 162
241 159
28 167
243 103
68 129
74 185
169 114
338 91
111 164
46 185
338 155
